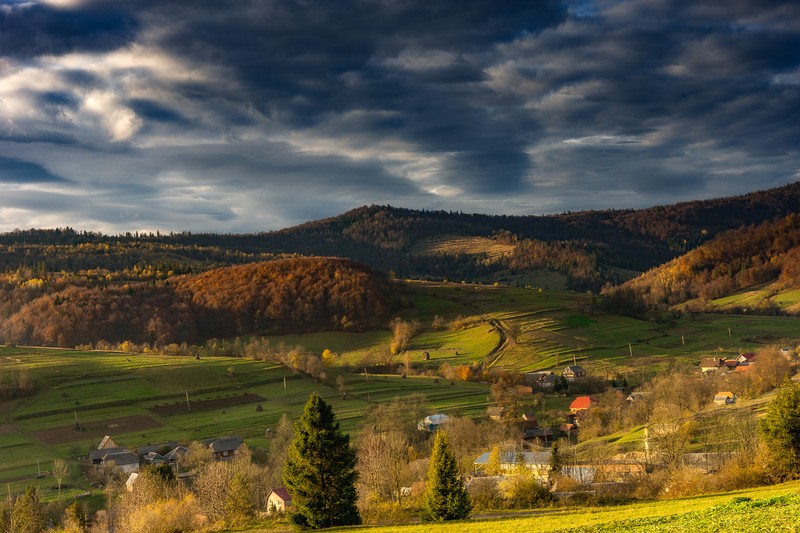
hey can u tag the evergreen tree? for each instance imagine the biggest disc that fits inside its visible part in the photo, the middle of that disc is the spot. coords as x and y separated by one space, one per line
320 470
445 495
780 428
238 505
556 460
28 513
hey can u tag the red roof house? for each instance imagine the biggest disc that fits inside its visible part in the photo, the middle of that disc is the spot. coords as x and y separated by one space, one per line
581 403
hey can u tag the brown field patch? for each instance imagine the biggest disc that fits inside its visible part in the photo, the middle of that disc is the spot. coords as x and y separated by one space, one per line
203 405
461 244
98 428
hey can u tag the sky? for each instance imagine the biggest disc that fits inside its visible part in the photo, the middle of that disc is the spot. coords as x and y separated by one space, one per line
254 115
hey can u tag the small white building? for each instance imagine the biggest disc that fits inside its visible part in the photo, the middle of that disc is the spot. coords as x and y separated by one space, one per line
432 422
279 500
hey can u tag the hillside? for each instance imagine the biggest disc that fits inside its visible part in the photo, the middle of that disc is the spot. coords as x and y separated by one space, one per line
586 249
583 245
763 256
286 295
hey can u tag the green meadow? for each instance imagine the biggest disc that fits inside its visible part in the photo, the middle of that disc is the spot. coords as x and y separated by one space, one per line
547 330
773 508
141 399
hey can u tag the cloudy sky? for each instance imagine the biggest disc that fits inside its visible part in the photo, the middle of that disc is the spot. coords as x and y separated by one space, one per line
250 115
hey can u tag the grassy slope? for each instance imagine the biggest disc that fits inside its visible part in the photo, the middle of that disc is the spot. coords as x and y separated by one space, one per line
100 387
775 508
550 329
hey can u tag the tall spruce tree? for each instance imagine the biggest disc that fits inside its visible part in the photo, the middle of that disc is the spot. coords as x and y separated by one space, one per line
320 470
780 429
445 495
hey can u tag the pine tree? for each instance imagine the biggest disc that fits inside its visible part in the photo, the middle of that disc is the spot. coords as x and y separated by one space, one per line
28 513
780 428
556 460
445 495
320 470
238 505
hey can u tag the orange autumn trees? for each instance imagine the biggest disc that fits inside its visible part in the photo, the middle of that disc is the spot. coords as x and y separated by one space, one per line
287 295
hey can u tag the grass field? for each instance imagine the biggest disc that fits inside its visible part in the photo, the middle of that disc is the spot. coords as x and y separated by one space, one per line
774 508
550 329
141 399
516 328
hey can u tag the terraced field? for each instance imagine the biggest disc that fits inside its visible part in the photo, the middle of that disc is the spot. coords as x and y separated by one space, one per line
140 399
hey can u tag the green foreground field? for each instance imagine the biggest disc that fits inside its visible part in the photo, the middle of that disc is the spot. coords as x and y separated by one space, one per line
775 508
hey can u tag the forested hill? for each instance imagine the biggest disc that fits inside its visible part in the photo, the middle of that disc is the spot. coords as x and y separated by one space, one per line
766 254
582 245
589 248
287 295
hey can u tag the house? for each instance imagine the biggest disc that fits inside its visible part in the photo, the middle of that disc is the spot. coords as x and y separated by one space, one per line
581 403
433 422
96 456
541 380
126 461
569 430
539 436
223 448
107 443
731 364
174 456
637 396
278 500
573 372
746 358
711 364
536 462
724 398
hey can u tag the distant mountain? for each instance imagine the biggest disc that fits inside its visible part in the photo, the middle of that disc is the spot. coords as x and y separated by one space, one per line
589 246
588 249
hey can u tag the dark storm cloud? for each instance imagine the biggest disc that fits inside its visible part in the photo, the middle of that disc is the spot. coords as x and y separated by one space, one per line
255 113
18 171
294 59
29 29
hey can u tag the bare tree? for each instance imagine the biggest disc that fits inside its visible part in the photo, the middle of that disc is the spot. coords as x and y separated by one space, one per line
383 465
60 472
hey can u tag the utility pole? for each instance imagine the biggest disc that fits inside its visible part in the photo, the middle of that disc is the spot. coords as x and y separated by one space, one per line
188 406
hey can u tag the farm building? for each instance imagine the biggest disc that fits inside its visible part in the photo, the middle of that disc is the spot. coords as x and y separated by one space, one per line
278 500
541 380
432 422
223 448
724 398
537 462
573 372
126 461
582 403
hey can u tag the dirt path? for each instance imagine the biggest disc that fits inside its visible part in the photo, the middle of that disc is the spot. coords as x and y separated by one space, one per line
507 336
